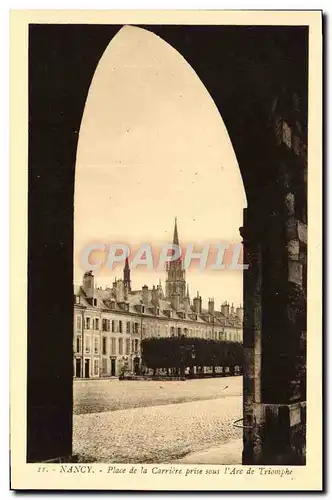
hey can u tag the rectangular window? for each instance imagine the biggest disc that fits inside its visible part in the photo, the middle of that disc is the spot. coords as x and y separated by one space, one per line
87 344
120 326
127 346
104 345
78 323
104 365
120 346
96 345
87 323
96 367
97 324
128 326
78 344
113 325
136 327
136 345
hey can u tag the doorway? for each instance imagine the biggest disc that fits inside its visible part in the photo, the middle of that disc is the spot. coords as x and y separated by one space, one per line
113 367
87 368
78 367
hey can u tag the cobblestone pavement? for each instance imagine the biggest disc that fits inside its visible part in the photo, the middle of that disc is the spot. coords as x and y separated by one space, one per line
113 394
161 433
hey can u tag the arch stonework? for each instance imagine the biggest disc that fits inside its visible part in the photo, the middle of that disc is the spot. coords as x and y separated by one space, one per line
265 115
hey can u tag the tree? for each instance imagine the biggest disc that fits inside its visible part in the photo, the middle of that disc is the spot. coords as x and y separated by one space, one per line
182 352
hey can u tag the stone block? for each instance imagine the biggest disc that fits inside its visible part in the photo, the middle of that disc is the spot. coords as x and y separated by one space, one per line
296 230
293 249
302 232
295 272
294 415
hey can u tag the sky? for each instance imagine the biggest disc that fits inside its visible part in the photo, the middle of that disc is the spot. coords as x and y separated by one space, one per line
152 146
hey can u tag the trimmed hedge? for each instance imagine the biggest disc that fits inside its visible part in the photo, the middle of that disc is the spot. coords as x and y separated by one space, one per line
176 352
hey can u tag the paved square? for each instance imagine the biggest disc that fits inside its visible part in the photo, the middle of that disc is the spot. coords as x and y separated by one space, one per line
156 422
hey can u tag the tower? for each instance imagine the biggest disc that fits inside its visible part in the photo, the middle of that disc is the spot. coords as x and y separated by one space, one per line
176 276
126 276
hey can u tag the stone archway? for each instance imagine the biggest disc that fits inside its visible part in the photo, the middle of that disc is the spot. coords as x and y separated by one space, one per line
265 115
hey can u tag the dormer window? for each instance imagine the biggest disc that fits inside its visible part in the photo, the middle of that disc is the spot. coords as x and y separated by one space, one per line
95 302
77 299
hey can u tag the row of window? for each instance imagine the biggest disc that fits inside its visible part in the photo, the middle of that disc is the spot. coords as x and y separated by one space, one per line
124 347
107 325
156 330
87 344
89 323
108 348
118 326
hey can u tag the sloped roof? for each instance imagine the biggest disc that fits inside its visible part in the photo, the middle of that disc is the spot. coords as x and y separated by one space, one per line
106 301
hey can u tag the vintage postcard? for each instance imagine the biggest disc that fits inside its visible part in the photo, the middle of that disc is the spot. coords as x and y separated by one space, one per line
166 250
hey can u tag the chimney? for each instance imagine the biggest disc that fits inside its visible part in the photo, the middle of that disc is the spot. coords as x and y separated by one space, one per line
119 291
145 294
239 313
225 309
175 301
211 307
197 303
88 284
154 296
232 309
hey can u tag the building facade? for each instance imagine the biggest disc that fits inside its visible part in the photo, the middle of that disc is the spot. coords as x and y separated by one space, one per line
110 323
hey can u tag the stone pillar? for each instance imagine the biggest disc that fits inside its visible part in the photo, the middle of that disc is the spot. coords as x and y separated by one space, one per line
252 446
274 340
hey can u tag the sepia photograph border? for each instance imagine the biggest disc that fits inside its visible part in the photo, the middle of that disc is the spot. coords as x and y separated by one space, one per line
27 476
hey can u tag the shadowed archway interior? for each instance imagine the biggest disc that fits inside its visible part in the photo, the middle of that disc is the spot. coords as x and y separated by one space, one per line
257 78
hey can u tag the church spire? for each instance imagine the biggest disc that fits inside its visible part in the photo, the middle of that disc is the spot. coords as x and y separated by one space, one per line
175 236
176 281
126 275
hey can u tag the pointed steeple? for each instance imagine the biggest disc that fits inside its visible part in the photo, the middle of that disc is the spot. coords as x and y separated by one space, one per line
176 280
175 236
126 275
